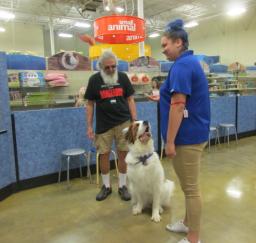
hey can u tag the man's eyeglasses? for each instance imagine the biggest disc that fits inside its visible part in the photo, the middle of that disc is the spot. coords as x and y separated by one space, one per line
110 67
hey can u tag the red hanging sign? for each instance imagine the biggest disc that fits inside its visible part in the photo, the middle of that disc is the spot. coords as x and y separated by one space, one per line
118 29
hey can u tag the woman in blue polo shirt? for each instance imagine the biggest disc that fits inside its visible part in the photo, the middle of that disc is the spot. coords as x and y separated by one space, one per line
185 119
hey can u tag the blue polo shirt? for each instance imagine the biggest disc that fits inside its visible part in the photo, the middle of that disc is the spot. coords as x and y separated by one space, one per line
186 76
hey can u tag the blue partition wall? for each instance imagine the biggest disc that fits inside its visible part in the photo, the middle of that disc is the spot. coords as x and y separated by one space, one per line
42 135
7 165
147 110
246 113
223 110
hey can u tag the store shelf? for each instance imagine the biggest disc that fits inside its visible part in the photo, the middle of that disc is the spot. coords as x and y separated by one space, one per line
214 84
234 89
219 77
227 83
246 78
140 84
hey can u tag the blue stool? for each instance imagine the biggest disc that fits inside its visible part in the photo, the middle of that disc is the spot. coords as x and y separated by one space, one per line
217 137
226 127
72 153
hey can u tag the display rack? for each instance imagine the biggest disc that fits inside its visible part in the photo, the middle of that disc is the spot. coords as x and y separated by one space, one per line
227 84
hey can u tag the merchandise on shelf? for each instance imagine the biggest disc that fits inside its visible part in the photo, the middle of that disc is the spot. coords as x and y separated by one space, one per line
13 80
56 79
31 79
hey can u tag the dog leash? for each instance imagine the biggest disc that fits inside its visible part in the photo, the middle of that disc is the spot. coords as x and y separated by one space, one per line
143 159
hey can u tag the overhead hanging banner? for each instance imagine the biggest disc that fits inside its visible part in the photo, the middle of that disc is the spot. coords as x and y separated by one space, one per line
118 29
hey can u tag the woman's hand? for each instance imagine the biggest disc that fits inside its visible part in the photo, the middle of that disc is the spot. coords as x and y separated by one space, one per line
90 133
155 98
170 150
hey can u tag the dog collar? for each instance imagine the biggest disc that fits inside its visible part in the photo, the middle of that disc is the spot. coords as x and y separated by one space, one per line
143 159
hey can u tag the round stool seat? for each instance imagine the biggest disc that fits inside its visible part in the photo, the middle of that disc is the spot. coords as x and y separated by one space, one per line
68 153
213 128
73 152
227 125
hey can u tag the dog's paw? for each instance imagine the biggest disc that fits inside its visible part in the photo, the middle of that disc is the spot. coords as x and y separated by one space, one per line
156 217
136 209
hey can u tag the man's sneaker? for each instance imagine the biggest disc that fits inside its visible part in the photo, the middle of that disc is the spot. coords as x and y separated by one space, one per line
178 227
124 194
104 192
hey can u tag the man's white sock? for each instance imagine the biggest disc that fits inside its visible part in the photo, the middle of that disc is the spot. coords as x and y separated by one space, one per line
106 180
122 179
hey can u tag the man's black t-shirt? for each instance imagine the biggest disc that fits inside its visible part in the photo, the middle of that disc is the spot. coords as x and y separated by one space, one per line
111 101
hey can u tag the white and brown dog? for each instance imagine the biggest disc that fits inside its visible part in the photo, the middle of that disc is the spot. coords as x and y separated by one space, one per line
146 180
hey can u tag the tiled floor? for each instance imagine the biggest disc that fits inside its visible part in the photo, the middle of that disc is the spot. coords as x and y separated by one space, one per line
53 214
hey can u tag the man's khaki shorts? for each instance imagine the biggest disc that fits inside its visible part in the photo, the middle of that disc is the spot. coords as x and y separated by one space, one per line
103 141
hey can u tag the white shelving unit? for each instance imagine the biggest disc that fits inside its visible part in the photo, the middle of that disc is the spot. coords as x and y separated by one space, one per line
227 84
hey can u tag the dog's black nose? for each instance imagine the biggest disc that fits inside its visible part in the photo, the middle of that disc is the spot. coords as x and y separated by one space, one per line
145 123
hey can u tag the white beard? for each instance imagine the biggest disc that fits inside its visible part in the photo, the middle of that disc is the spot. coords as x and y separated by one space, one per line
109 79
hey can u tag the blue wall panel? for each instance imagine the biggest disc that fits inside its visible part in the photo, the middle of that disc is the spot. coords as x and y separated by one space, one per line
147 110
42 135
7 165
246 113
223 110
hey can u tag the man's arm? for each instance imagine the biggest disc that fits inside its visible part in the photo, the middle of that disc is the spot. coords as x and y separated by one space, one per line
177 106
132 107
89 113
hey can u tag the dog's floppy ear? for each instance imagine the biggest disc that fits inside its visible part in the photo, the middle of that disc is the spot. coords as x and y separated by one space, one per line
125 130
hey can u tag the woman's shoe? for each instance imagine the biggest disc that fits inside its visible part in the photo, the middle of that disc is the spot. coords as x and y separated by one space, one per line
178 227
185 240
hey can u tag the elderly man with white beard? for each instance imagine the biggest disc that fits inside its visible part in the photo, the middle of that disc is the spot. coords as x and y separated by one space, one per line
112 93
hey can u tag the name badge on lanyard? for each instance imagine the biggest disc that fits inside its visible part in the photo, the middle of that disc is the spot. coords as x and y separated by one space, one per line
185 113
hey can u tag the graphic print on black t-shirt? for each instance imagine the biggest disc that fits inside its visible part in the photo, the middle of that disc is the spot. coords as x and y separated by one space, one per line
110 93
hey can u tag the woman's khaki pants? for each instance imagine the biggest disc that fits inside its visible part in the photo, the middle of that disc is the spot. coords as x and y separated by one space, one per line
186 164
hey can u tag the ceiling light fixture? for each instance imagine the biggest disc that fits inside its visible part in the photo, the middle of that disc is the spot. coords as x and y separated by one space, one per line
2 29
236 11
154 35
119 9
191 24
65 35
82 25
6 15
107 8
234 192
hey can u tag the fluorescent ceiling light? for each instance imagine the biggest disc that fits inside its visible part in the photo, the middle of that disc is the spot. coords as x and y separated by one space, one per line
191 24
119 9
82 25
107 8
2 29
234 192
6 15
65 35
236 11
154 35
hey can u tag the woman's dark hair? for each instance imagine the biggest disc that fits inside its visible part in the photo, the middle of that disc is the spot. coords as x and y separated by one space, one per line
157 82
174 30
